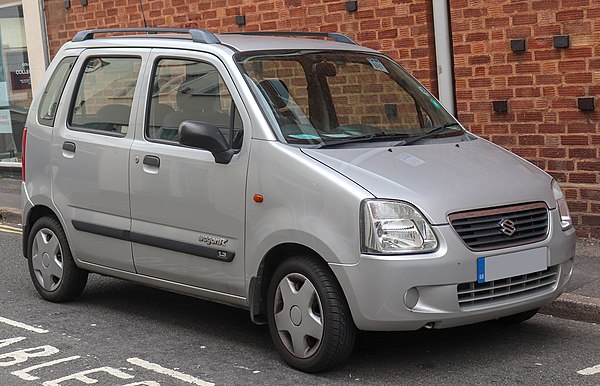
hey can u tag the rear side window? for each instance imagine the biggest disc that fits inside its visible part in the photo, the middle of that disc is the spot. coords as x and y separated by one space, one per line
104 95
53 92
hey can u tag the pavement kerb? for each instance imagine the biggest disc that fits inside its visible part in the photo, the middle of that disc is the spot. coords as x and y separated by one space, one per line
575 307
10 215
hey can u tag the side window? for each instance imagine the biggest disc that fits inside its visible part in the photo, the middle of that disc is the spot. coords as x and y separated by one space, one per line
104 95
184 90
53 92
285 86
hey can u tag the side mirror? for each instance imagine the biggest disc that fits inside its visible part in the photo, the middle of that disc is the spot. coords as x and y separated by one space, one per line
206 136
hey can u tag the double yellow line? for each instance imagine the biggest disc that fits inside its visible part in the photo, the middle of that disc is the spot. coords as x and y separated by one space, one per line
10 229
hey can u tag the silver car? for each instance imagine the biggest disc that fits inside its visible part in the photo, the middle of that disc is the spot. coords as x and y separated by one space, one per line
313 182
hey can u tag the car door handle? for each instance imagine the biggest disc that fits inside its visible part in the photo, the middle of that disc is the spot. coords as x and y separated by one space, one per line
69 146
152 160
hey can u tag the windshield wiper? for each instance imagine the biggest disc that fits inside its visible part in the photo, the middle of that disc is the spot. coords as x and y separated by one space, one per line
363 138
430 133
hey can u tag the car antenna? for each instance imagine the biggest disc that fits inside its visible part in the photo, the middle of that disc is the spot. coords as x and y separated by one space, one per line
143 15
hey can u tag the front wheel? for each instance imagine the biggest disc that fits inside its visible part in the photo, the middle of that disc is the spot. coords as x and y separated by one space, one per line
51 266
309 319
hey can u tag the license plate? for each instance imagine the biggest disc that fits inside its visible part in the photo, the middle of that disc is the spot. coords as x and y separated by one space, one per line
511 264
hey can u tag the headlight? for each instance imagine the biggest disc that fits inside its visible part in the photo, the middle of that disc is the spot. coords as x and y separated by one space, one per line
563 209
393 227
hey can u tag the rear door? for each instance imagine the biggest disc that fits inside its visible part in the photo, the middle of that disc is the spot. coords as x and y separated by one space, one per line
187 211
90 154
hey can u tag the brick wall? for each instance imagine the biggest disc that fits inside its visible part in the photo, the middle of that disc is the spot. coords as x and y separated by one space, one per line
541 84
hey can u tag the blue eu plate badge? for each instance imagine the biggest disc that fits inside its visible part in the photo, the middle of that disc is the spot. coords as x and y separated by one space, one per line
481 270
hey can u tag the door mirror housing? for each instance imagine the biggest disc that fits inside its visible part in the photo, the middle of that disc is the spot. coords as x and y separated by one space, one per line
203 135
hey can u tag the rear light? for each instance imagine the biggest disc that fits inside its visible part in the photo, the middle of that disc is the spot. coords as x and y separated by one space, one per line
23 148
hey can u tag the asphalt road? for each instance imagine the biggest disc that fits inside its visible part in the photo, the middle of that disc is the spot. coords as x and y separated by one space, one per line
125 334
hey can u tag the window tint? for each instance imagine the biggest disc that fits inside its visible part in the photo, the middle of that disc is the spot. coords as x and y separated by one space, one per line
186 90
53 92
105 94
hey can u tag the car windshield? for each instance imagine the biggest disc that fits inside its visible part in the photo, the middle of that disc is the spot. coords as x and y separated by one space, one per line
337 97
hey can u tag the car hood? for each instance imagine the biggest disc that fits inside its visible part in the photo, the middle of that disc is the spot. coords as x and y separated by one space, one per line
441 178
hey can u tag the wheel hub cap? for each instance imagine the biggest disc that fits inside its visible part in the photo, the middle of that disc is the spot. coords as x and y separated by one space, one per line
296 315
46 260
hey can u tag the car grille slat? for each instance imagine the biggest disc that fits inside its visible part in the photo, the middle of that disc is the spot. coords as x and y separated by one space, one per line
480 230
498 285
476 294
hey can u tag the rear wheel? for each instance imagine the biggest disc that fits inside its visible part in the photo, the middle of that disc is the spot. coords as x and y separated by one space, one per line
51 266
308 316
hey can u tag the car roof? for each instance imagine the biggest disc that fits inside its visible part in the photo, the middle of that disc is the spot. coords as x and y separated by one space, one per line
255 43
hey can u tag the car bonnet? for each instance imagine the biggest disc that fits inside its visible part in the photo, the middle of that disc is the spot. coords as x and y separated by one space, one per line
440 179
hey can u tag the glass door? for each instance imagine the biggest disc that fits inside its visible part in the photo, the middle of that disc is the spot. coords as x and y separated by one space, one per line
15 82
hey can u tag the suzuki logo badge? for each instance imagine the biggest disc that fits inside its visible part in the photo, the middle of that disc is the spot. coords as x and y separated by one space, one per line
507 227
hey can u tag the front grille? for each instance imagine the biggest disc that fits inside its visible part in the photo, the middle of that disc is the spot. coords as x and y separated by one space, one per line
476 294
480 230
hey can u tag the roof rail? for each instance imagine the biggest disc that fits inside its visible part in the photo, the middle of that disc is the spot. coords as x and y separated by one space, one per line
198 35
338 37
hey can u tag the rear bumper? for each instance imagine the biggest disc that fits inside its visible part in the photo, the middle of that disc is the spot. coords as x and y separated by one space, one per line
26 206
376 287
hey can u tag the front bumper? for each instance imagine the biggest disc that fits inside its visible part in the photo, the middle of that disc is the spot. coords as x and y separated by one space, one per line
376 286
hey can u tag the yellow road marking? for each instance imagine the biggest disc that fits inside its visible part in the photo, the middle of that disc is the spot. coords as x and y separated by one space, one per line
10 229
5 231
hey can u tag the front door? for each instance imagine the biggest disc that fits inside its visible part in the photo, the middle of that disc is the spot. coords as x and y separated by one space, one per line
188 211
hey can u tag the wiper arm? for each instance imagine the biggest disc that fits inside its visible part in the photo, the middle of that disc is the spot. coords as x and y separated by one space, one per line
363 138
428 134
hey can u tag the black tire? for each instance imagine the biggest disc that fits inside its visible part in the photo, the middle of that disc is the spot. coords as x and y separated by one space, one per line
319 299
53 271
518 318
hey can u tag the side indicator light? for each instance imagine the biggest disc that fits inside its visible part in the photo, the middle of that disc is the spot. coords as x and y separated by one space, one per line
258 198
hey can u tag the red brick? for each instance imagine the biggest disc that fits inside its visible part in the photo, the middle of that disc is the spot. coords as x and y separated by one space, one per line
479 59
593 166
549 128
582 178
527 92
561 165
574 139
543 5
591 220
477 37
524 19
528 140
590 194
578 206
522 80
578 78
575 14
553 153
